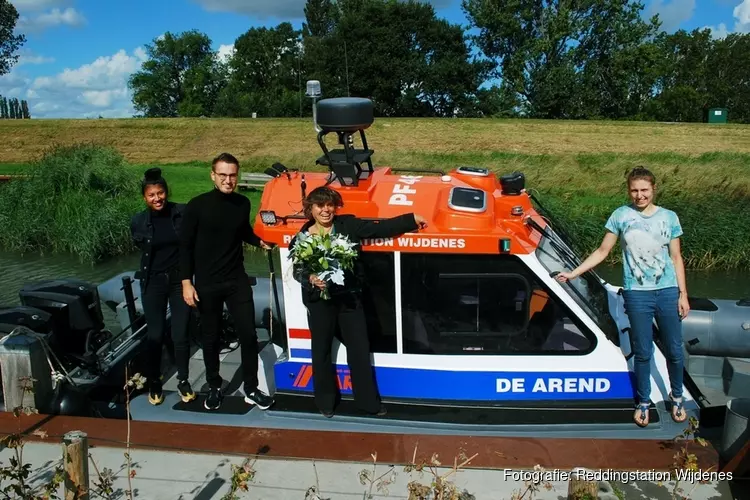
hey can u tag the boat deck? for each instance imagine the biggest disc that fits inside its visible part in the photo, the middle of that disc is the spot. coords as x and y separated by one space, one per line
301 415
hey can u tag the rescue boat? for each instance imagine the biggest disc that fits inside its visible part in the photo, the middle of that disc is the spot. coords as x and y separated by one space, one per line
470 332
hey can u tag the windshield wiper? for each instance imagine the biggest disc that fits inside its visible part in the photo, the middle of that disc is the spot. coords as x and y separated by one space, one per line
559 227
561 246
570 257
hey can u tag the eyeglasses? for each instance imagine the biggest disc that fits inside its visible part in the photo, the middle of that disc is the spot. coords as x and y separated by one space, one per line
223 177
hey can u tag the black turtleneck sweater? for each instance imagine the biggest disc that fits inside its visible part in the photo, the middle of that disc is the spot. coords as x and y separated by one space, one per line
165 250
213 229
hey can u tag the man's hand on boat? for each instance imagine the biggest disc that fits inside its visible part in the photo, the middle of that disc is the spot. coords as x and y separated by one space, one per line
189 295
421 221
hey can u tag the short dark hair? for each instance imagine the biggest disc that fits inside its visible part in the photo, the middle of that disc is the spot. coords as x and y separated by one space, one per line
320 196
641 173
152 177
226 158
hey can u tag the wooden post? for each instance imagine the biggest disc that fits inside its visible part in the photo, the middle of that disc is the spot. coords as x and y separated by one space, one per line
76 465
581 488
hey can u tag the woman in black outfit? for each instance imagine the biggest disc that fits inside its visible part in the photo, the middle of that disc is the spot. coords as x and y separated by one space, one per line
344 308
155 231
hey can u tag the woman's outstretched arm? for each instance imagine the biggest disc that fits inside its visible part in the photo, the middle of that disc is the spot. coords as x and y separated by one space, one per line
593 260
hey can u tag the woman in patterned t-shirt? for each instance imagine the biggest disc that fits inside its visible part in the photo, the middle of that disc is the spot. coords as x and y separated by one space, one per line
653 285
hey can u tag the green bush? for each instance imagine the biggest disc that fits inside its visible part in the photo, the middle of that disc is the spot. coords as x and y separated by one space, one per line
76 199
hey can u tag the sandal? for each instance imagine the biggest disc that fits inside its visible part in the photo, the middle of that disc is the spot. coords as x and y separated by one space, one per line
641 415
678 409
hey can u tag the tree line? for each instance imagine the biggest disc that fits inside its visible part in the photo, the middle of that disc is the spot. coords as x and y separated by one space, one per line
12 109
556 59
596 59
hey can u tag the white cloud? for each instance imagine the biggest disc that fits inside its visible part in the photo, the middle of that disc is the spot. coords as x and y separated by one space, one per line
719 31
225 52
672 13
282 9
55 17
104 98
93 89
741 15
24 5
27 56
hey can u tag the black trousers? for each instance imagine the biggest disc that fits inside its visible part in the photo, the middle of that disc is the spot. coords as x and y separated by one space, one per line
324 316
238 296
165 288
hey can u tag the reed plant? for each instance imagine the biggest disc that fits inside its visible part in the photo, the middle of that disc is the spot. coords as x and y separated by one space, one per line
710 192
75 199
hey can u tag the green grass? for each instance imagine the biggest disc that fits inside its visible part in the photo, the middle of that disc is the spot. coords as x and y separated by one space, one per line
188 180
709 191
181 140
79 200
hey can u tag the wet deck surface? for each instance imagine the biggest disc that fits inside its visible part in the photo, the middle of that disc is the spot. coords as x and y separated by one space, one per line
492 452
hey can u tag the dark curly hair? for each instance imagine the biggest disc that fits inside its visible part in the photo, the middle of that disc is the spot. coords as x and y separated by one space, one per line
153 177
321 196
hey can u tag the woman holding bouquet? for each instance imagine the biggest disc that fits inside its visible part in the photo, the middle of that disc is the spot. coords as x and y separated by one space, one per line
330 305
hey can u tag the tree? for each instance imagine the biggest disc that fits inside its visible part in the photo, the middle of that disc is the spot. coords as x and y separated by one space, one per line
3 113
399 54
9 43
729 76
319 42
264 74
564 59
683 68
180 78
25 110
617 59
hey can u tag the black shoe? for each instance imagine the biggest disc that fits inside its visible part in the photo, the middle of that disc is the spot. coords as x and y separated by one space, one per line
326 414
186 392
155 394
213 400
257 397
382 411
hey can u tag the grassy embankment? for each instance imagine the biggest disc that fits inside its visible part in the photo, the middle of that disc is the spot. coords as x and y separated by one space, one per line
577 168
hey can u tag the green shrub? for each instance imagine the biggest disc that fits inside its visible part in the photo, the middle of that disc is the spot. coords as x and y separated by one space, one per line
76 199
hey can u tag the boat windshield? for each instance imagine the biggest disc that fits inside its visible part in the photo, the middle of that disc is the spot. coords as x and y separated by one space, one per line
587 290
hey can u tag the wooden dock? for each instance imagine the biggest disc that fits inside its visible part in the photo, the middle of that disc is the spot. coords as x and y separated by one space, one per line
492 452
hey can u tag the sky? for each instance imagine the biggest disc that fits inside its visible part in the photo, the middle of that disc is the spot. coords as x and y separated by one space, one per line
79 53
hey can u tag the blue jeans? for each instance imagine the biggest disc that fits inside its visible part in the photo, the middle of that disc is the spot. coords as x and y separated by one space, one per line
642 306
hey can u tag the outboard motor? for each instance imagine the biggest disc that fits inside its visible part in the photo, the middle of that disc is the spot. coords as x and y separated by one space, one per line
23 355
76 314
32 318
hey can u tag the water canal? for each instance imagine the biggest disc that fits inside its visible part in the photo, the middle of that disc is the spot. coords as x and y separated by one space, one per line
17 270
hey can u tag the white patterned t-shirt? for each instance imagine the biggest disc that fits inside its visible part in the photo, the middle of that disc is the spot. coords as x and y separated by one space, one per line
645 246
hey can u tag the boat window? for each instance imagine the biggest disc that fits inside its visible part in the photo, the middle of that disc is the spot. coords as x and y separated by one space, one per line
379 300
587 290
483 304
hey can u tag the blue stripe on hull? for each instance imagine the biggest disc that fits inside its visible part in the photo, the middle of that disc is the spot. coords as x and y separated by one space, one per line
412 383
301 353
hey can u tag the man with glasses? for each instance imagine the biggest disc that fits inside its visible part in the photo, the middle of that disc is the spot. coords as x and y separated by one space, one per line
215 224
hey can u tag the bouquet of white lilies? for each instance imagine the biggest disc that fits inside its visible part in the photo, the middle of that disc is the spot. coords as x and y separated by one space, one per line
324 255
